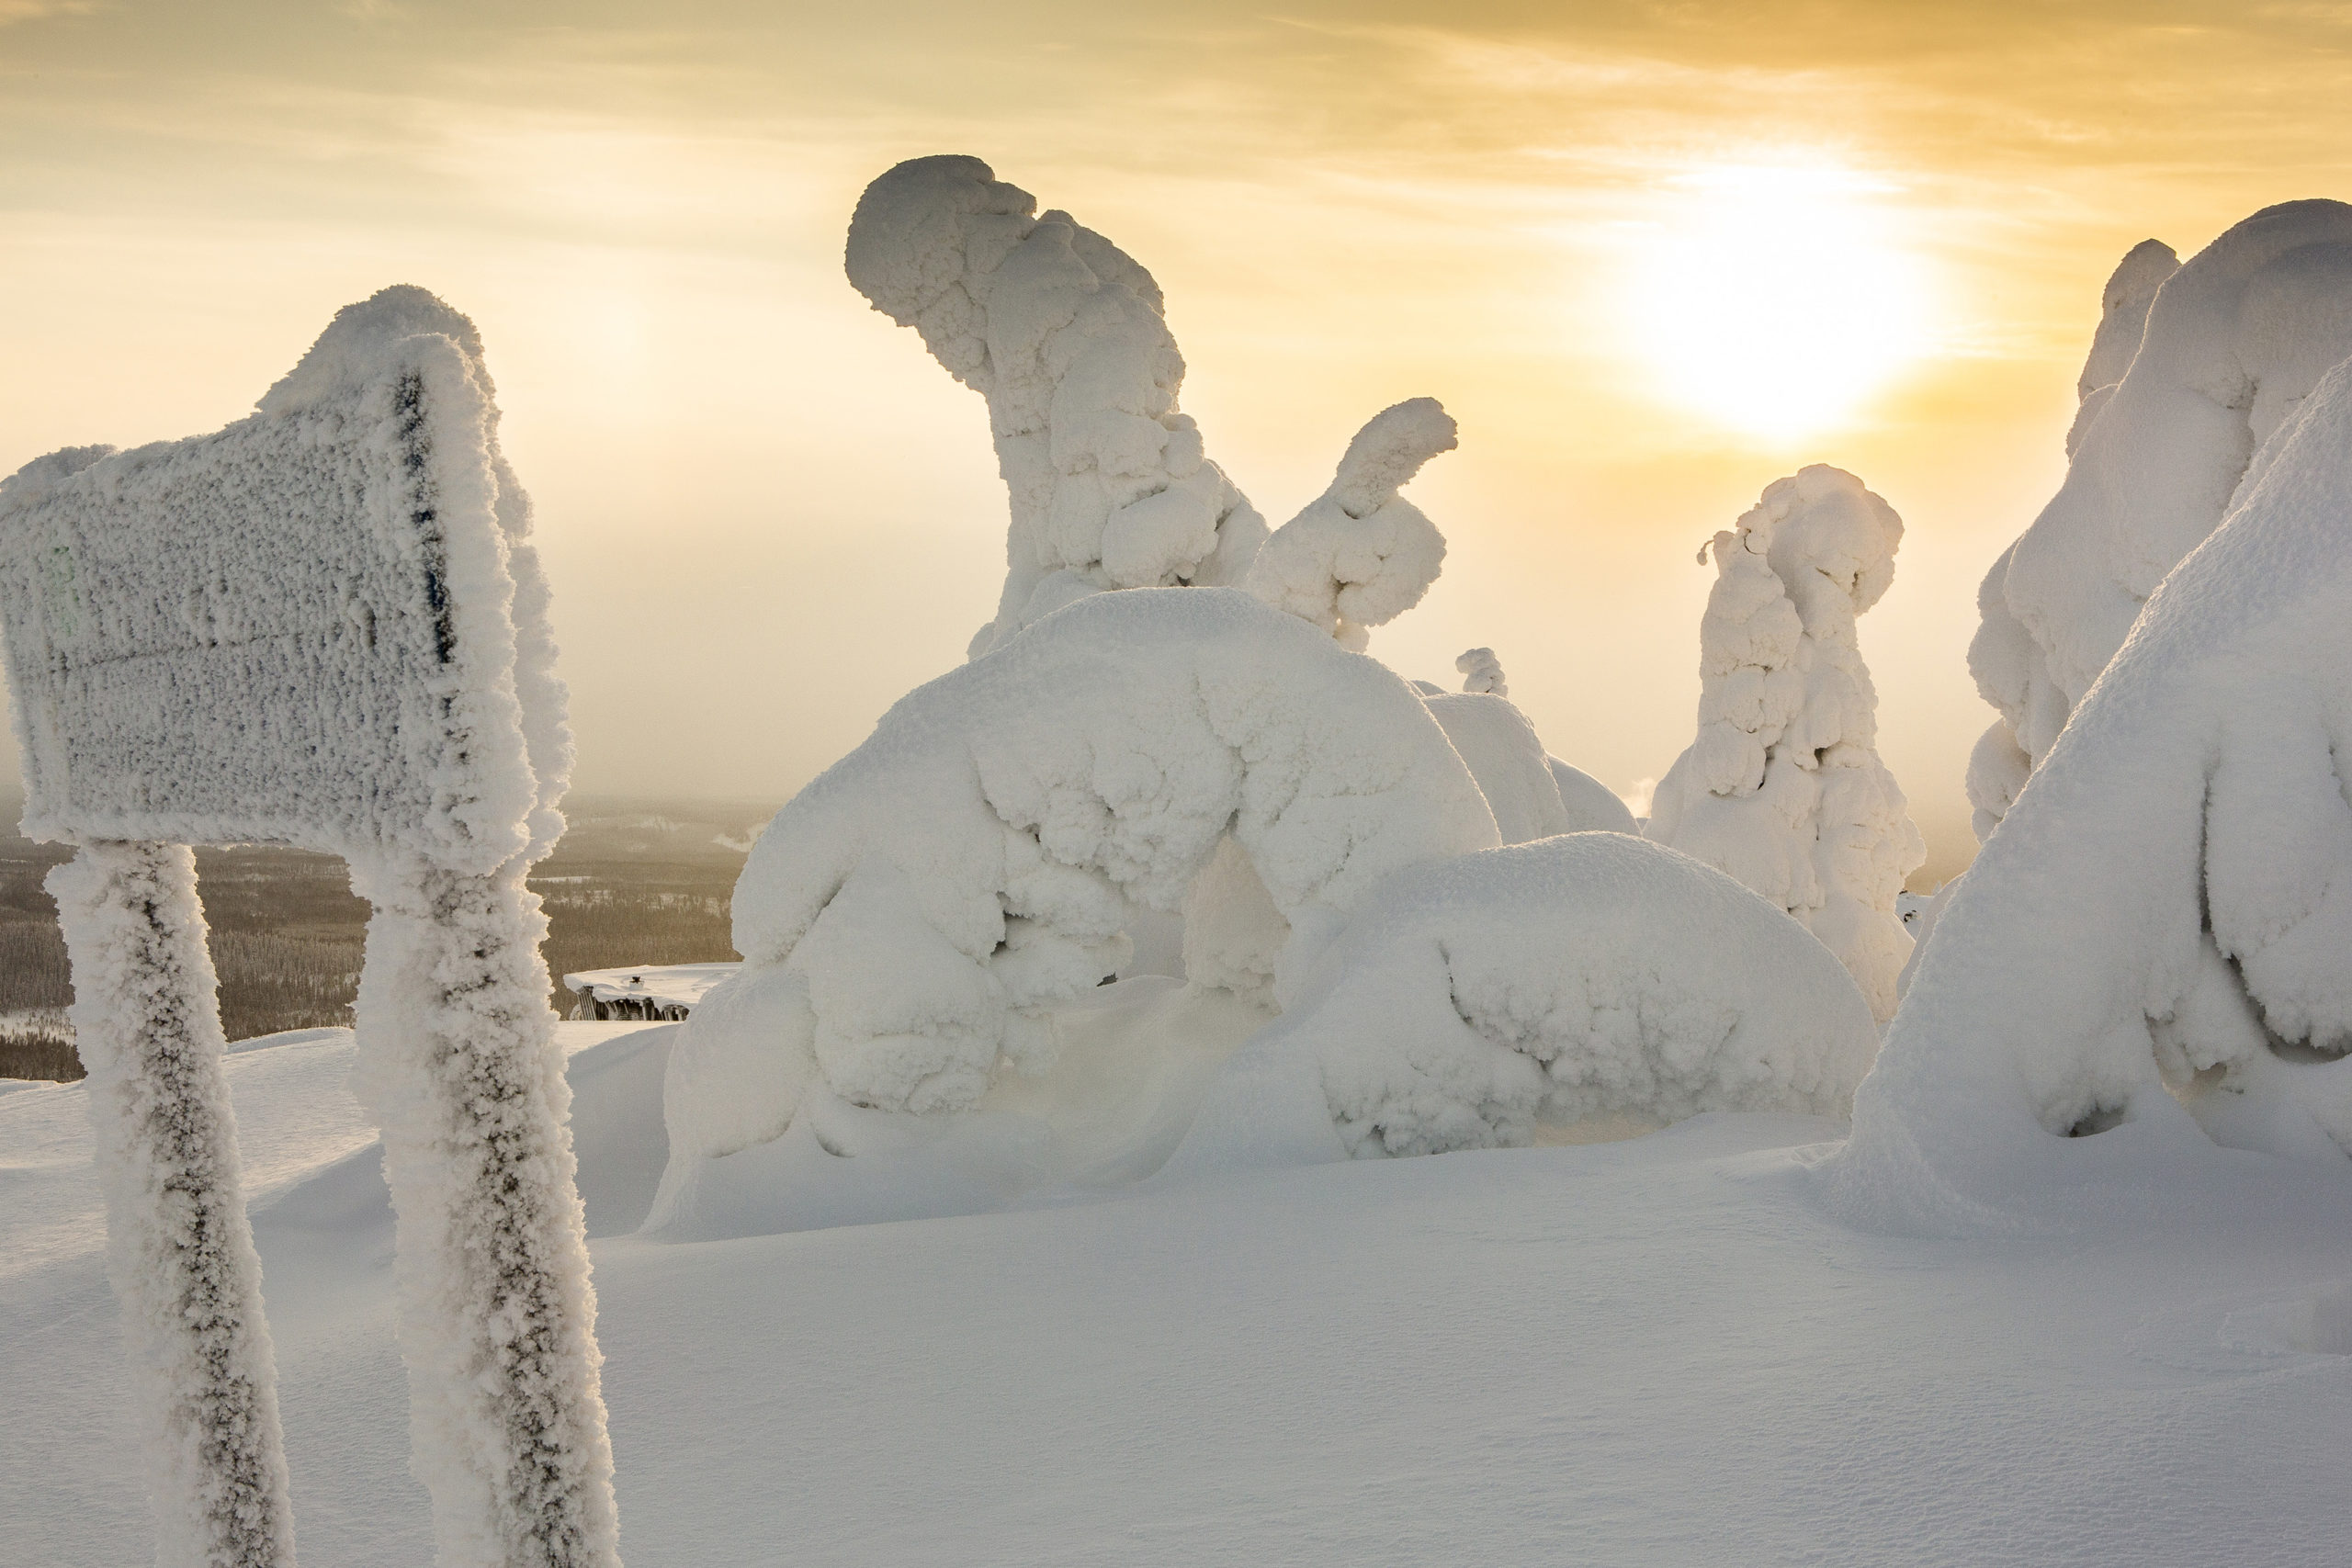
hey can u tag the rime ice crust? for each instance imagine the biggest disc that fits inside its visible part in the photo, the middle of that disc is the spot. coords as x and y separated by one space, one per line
1065 335
909 919
1359 554
1783 787
2170 903
180 1250
2234 340
340 588
1588 975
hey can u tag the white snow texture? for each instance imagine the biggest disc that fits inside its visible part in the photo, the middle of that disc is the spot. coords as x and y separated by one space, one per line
180 1250
1783 787
2170 903
909 919
2234 339
1065 335
1359 554
1593 975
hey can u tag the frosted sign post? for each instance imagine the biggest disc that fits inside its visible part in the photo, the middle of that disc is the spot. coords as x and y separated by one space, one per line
323 627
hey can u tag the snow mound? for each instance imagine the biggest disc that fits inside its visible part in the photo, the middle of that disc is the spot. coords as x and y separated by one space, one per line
1783 787
1359 554
909 920
1589 975
2169 906
1592 807
1504 755
2122 323
1065 336
2233 342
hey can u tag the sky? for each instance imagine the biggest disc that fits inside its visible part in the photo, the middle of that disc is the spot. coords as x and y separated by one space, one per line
1651 255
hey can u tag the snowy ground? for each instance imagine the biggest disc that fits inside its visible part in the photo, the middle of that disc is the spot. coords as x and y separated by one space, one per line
1654 1351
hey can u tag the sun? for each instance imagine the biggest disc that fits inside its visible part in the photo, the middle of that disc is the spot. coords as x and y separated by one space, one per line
1774 298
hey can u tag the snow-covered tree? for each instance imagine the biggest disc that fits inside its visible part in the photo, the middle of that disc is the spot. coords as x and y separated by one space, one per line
1482 672
1589 975
2234 340
1783 787
1065 336
1359 554
2158 931
2122 323
910 919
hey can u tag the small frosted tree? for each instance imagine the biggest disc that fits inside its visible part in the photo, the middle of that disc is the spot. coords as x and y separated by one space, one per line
1783 787
1065 336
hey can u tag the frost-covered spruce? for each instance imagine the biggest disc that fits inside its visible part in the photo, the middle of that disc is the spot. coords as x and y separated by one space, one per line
1359 554
1066 335
1783 787
1590 975
179 1249
910 917
2234 340
2169 906
460 1066
2122 323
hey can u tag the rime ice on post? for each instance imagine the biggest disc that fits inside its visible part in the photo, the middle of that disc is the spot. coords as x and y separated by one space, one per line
323 626
1783 787
1065 335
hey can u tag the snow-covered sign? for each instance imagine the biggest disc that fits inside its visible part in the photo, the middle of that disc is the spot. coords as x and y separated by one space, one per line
301 629
323 627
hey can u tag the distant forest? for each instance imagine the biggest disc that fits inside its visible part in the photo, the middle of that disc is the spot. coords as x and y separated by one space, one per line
632 883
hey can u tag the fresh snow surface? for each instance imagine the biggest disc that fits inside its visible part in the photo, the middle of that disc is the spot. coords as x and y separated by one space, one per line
2235 340
1065 336
910 917
1656 1351
1593 975
658 991
1509 762
1592 807
2166 910
2122 323
1783 787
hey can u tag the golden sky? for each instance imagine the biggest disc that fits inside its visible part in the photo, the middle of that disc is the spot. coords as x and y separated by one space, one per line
1652 257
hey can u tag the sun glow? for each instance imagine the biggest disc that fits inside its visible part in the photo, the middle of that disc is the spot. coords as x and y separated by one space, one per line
1774 298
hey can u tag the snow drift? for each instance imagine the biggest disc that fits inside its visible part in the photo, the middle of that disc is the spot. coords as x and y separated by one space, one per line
1783 787
1065 336
2233 342
2170 906
909 919
1593 975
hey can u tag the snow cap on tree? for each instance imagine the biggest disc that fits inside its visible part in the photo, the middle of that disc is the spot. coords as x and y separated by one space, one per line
1783 787
1482 672
1064 334
1359 554
2235 340
2154 943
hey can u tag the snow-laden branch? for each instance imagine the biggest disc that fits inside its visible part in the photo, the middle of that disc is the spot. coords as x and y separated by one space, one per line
1783 787
2169 906
2234 340
1360 555
1065 336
